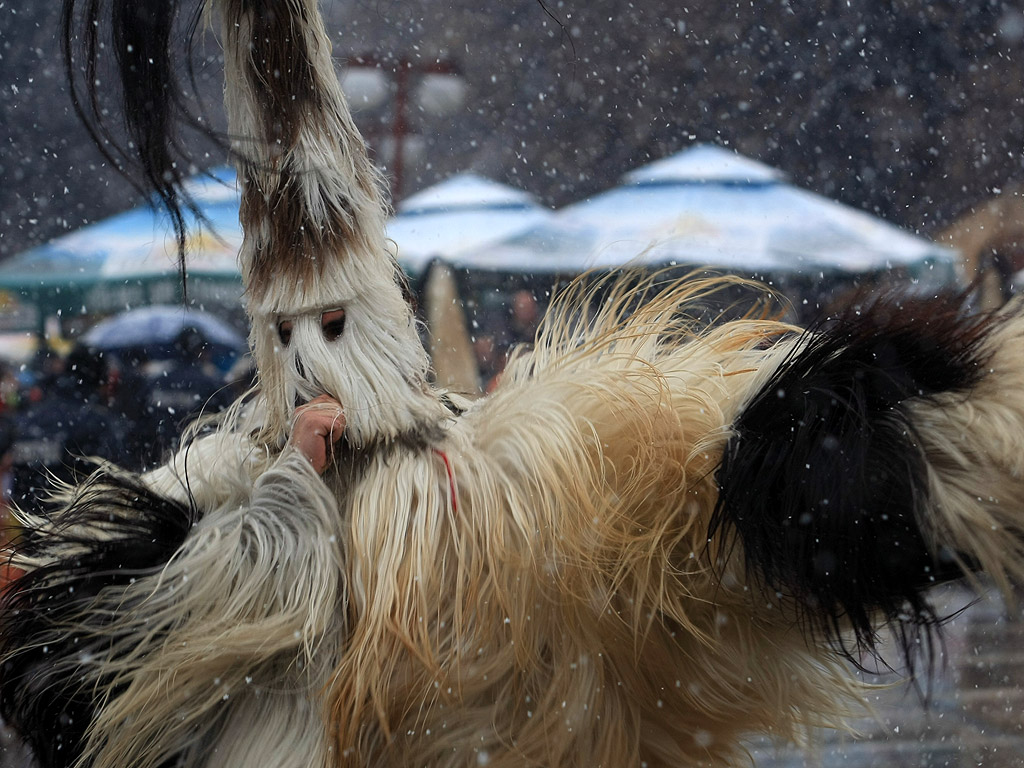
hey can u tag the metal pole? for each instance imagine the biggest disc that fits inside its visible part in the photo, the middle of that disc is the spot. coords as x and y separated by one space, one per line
399 126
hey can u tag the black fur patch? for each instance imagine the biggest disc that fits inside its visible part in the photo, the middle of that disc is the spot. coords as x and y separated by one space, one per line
114 530
145 144
824 480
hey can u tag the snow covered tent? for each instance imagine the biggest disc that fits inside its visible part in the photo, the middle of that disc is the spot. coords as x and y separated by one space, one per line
466 213
709 206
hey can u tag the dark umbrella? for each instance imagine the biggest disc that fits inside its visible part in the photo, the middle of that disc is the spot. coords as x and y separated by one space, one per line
154 330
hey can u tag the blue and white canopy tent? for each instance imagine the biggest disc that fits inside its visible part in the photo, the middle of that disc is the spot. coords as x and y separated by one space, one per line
130 260
466 213
711 207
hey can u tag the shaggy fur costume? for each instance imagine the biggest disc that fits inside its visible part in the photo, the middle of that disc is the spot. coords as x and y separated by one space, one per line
654 540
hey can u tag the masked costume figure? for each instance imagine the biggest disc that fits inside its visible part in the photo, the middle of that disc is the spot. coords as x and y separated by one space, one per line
654 540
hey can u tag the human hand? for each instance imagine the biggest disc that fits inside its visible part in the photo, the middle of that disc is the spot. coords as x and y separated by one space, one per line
316 427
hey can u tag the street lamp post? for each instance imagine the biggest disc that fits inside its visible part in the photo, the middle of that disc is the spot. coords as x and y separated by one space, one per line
402 71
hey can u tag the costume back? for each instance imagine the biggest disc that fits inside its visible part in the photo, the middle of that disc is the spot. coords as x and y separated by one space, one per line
655 539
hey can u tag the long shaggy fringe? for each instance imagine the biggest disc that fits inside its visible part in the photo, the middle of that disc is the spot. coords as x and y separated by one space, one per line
167 636
536 578
563 608
529 582
148 147
111 531
882 457
826 478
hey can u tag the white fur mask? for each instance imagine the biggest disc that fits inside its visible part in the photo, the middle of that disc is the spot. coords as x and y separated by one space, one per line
313 214
360 347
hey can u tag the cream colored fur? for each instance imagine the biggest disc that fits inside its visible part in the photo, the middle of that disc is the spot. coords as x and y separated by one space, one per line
562 610
975 450
566 611
527 584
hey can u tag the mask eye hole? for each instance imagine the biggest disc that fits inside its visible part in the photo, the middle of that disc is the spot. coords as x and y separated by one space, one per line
332 324
284 331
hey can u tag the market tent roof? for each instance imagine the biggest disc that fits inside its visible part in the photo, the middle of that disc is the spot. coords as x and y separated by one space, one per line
705 163
465 213
130 259
708 206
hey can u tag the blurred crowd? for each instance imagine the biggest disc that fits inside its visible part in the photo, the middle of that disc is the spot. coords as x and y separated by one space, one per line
60 412
498 332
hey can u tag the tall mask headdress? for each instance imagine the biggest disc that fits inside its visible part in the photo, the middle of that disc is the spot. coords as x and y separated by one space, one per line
325 296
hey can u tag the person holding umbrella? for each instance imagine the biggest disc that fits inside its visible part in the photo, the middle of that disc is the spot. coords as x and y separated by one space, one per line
65 429
177 391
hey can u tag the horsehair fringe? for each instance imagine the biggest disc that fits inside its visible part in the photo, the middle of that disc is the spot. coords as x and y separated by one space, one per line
310 193
147 149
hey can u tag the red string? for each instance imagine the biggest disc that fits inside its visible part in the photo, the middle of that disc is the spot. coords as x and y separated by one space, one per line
451 478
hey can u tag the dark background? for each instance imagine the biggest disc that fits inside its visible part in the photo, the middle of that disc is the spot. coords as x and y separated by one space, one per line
910 110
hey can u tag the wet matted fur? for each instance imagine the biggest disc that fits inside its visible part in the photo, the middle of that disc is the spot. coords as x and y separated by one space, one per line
528 582
655 539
